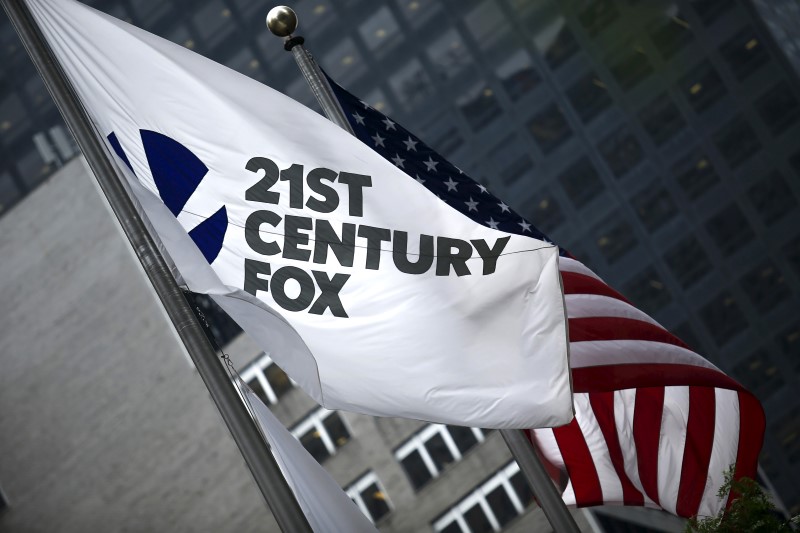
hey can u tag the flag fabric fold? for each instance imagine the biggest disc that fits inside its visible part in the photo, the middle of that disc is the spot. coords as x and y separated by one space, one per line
370 293
656 424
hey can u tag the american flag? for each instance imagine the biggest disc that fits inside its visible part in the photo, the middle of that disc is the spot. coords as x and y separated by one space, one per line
656 424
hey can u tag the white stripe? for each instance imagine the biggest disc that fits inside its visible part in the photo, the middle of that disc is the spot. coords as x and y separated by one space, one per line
624 407
610 483
546 441
723 451
674 420
595 353
565 264
596 305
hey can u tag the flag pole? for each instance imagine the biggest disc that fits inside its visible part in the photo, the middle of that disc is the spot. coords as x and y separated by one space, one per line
257 455
282 22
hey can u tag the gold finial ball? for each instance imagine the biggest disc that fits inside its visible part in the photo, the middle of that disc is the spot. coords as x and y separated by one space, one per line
282 21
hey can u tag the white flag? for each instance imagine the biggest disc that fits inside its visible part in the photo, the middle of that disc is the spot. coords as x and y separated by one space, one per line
373 295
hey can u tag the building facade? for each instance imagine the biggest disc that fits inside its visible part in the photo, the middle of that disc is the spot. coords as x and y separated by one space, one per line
658 141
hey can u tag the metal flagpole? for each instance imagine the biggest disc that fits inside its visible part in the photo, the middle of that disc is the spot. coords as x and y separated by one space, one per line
282 22
256 453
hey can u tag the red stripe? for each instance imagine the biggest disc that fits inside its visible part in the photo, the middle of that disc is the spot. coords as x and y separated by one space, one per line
575 283
609 328
603 408
579 464
751 437
605 378
646 435
555 473
697 450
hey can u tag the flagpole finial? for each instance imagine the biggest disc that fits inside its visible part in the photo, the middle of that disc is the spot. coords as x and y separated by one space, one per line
282 21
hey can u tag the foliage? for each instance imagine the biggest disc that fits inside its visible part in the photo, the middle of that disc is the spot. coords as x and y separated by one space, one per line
751 510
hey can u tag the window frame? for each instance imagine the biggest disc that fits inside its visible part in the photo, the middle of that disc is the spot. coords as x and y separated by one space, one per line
355 488
315 420
258 369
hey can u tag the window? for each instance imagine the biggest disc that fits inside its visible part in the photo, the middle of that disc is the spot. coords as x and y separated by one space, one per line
632 67
549 128
779 108
411 84
792 251
222 328
688 261
518 75
490 506
581 182
744 53
789 341
589 96
695 174
449 142
647 291
322 433
509 159
671 33
787 433
213 23
759 374
479 106
737 141
772 197
597 15
553 40
729 229
621 151
686 333
723 318
448 54
380 31
615 238
418 12
425 454
368 494
702 87
9 192
710 10
344 62
486 23
543 210
266 379
765 286
661 119
654 206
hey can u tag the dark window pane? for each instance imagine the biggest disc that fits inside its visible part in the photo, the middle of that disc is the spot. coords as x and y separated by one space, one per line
521 487
621 151
501 505
589 96
729 229
9 192
256 387
545 213
710 10
654 206
787 433
779 108
632 68
479 106
581 182
792 251
688 261
449 142
614 238
737 141
596 15
375 500
313 444
476 520
723 318
661 119
555 42
671 34
744 53
278 380
789 341
221 327
416 470
765 286
695 174
772 197
647 291
509 159
439 451
549 128
686 333
380 31
518 75
336 429
702 86
464 438
452 527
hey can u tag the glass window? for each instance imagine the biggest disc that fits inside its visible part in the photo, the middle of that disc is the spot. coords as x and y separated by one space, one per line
418 12
549 128
779 108
615 237
544 211
317 14
509 159
370 497
501 505
695 174
744 53
377 100
737 141
631 68
621 151
597 15
688 261
789 341
486 23
322 433
654 206
765 286
671 33
522 489
518 75
418 472
411 84
213 23
686 333
448 54
477 520
792 251
553 39
344 62
729 229
245 61
13 118
723 318
773 198
702 87
380 31
661 119
647 291
448 142
787 433
589 96
581 182
9 192
464 438
479 106
710 10
267 380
